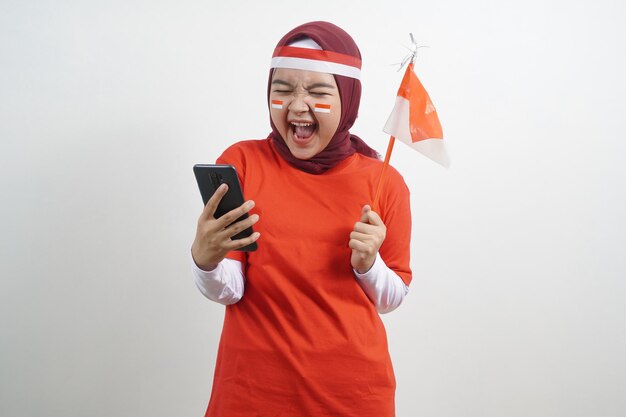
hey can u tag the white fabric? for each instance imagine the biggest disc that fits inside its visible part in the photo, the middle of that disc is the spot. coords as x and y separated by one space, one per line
306 43
316 65
225 284
399 127
383 286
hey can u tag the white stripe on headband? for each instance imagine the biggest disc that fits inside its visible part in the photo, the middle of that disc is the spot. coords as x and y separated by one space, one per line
315 65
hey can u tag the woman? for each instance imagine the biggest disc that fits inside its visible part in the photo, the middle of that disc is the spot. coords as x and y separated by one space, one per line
302 335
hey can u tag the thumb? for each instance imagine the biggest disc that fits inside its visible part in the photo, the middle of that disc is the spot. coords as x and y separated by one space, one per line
364 213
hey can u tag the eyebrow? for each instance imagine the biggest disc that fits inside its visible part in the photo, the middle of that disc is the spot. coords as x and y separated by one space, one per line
316 85
281 82
322 85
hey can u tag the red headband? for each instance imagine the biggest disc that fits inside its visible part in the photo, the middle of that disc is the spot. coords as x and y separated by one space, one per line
316 60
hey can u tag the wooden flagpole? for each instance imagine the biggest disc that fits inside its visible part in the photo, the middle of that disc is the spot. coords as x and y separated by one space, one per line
383 172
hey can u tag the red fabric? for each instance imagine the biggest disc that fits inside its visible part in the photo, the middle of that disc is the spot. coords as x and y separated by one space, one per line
305 340
343 143
307 53
423 119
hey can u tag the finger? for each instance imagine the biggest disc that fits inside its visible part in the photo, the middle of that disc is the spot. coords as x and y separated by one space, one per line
374 218
364 213
214 201
362 250
240 243
234 214
361 237
366 228
235 228
358 246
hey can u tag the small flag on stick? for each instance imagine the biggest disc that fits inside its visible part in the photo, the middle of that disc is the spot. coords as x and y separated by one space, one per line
413 121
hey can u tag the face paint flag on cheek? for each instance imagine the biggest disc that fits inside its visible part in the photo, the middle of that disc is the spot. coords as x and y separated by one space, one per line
322 108
277 104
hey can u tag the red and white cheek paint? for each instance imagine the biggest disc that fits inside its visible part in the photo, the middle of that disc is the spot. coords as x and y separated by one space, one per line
322 108
277 104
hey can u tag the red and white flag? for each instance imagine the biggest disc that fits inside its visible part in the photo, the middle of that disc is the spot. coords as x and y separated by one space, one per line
277 104
414 120
322 108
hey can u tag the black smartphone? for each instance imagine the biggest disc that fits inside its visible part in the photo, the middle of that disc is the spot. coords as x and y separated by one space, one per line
209 178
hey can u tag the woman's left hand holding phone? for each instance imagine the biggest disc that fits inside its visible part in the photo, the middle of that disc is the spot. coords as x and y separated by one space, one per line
213 236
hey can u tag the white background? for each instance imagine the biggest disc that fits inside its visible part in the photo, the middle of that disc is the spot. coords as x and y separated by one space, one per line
517 306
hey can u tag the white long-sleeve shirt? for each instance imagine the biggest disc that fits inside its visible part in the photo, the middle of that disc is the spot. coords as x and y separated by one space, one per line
226 283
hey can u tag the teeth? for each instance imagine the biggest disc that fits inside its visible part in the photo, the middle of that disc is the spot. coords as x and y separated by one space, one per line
302 124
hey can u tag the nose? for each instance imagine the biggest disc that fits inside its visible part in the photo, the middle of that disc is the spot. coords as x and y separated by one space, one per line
298 104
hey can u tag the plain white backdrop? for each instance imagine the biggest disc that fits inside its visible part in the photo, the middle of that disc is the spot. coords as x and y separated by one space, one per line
518 303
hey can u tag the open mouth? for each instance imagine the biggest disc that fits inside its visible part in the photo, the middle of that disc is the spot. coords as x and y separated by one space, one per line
302 131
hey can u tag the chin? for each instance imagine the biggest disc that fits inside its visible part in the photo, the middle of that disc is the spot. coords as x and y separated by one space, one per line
302 153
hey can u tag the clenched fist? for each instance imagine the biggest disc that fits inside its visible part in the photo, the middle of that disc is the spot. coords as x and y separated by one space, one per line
366 238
